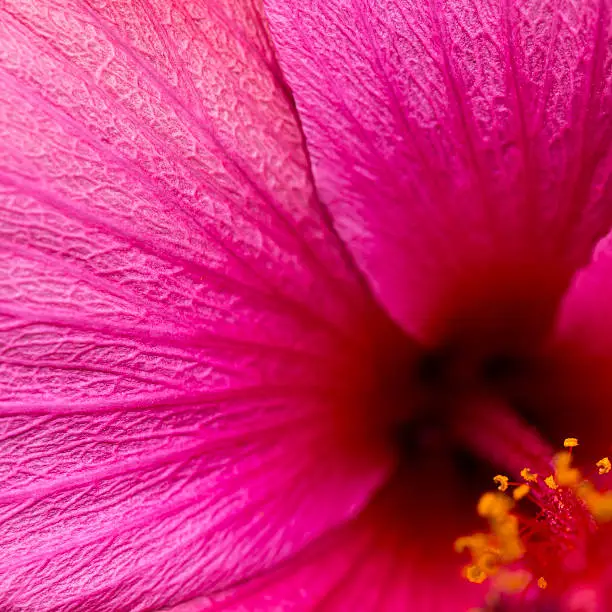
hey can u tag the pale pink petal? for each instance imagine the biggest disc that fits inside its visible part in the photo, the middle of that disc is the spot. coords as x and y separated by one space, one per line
447 132
175 309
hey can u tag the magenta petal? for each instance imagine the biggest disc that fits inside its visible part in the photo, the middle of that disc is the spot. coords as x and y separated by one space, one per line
174 308
584 318
362 567
193 605
581 395
447 132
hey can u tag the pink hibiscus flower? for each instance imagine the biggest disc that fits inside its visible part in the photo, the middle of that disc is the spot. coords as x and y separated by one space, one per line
283 287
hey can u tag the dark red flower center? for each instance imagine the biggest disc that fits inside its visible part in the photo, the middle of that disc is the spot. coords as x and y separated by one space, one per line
488 390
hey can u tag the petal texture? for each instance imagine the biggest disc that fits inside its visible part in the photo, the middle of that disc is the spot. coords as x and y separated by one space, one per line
447 132
368 565
175 309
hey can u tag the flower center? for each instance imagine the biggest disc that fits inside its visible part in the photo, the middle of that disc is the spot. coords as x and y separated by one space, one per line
482 392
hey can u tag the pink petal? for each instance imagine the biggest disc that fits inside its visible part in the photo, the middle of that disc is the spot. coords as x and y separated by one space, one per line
364 566
444 132
584 317
582 345
175 309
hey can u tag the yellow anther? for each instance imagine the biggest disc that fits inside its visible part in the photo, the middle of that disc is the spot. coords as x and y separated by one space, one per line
512 548
542 582
570 442
528 476
502 482
565 474
494 506
520 491
599 504
476 543
512 581
602 510
604 465
549 481
505 528
474 574
489 562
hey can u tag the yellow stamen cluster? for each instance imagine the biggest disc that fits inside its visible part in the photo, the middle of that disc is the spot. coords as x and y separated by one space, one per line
492 553
598 503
